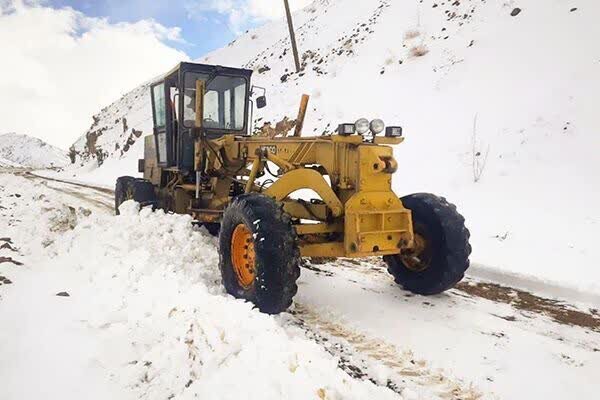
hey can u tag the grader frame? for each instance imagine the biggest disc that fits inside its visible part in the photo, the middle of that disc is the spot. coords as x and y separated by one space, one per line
356 213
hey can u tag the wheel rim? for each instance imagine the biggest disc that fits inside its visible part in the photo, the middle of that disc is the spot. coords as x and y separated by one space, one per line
419 258
243 256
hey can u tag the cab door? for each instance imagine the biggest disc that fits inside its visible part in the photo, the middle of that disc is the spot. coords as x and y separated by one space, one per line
159 115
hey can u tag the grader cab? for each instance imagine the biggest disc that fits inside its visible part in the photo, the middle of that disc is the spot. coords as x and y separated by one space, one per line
251 188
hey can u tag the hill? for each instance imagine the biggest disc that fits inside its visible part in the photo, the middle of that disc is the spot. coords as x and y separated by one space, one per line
17 150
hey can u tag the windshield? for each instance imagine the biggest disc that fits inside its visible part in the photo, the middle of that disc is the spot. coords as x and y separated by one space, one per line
224 102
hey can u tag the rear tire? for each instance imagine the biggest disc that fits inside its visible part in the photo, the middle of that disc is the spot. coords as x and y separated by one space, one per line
445 255
139 190
259 256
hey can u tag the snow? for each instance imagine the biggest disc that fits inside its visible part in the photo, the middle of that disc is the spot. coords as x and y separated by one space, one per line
25 151
518 87
147 317
7 163
522 358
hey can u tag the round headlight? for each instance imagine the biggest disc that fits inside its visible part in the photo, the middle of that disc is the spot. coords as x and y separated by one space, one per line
377 126
362 126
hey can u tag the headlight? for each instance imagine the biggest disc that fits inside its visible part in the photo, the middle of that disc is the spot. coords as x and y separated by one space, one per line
377 126
362 126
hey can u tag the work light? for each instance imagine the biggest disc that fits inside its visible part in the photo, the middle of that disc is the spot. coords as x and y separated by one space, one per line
393 131
362 126
377 126
346 129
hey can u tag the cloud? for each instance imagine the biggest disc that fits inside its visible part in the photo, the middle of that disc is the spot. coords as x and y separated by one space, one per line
242 14
59 66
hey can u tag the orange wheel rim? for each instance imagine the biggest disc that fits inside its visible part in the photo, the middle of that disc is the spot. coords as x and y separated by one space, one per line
419 258
243 256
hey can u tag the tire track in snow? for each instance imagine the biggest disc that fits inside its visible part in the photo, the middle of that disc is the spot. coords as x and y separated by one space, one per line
359 353
103 203
557 310
102 190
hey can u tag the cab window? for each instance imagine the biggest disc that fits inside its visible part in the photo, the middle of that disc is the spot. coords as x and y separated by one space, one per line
224 102
160 112
160 121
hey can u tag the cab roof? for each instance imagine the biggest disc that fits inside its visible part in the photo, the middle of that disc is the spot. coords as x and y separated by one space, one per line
195 67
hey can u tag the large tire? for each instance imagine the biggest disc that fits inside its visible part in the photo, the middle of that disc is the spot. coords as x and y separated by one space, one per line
259 256
445 250
213 228
139 190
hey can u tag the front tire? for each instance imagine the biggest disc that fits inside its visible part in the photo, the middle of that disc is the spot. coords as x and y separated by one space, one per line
139 190
441 254
259 256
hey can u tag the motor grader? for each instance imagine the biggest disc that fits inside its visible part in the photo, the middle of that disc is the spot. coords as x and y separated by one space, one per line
250 188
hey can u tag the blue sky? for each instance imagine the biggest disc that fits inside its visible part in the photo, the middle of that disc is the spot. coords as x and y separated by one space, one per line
202 29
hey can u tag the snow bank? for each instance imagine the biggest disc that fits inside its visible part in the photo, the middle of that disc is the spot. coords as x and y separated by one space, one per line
145 290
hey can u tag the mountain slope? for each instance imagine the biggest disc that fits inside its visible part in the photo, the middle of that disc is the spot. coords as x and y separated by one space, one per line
25 151
115 129
497 106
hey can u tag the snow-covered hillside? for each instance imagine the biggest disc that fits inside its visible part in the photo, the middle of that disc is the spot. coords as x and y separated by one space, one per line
25 151
114 130
497 101
4 163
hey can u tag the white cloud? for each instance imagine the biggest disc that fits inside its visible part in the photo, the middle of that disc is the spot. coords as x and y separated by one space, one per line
243 13
59 67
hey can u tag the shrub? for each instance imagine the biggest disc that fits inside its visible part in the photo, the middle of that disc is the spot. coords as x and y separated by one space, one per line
419 51
413 33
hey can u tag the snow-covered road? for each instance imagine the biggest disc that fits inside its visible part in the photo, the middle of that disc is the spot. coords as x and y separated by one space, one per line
146 317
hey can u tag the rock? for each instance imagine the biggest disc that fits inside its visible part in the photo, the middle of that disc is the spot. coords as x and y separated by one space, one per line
10 260
516 11
63 294
8 246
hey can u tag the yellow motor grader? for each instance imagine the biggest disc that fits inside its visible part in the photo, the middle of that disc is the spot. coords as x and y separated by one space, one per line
274 196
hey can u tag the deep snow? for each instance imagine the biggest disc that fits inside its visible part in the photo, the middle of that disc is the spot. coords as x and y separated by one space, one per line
147 317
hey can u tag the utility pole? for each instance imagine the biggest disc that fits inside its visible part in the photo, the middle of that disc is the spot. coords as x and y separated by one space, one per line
292 34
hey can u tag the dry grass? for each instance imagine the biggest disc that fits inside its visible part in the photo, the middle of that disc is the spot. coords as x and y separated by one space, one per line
479 160
413 33
419 51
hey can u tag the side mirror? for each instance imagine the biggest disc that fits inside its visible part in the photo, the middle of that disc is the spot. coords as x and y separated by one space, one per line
261 102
